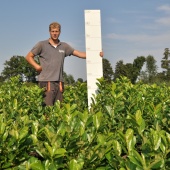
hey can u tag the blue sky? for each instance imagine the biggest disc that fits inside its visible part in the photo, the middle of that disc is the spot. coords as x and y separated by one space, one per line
130 28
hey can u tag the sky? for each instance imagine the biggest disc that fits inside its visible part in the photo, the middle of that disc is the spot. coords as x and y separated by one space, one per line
129 28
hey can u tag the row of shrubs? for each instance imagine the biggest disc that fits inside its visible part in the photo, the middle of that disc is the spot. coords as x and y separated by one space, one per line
127 127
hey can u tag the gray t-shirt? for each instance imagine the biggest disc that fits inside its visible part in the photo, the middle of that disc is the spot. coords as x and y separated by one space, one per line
51 59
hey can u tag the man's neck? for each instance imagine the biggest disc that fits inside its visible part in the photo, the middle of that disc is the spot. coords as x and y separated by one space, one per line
54 42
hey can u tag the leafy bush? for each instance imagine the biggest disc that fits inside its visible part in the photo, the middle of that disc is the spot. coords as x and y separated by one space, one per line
126 128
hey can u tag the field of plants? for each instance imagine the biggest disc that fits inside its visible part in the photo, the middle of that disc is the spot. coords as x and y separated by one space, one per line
127 127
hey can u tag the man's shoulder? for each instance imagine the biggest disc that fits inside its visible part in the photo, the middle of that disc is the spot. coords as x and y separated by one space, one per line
43 41
64 44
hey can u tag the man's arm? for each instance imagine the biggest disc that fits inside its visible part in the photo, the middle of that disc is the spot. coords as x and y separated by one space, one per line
30 58
83 54
79 54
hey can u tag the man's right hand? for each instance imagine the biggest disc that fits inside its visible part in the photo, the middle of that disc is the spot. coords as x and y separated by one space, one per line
38 68
30 58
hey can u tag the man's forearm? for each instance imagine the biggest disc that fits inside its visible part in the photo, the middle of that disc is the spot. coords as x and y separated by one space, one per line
31 61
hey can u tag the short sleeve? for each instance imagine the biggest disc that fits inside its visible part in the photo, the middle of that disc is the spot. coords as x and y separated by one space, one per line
68 49
36 50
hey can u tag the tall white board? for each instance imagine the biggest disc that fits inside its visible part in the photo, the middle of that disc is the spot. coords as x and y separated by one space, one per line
94 65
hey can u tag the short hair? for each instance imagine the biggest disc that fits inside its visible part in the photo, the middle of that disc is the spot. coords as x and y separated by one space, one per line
54 25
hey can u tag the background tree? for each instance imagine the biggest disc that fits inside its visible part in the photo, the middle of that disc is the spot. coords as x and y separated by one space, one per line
68 79
128 69
143 77
150 74
131 71
165 63
80 80
17 65
137 67
107 70
2 79
151 68
120 70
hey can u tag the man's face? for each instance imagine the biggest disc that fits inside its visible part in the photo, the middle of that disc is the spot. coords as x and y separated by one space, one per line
54 33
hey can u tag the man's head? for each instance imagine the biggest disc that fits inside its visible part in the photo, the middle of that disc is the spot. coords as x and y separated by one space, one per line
55 30
54 25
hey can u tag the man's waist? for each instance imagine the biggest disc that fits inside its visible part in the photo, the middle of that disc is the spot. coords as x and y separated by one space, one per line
48 81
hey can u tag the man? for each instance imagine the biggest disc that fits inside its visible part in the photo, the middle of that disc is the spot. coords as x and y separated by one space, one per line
52 53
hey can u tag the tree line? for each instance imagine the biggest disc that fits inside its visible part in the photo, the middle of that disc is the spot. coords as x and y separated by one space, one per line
17 65
134 72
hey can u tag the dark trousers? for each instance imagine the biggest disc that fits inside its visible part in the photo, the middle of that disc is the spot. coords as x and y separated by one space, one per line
52 92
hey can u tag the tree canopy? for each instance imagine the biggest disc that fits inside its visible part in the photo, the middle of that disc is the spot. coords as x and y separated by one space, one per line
165 63
17 65
107 70
131 71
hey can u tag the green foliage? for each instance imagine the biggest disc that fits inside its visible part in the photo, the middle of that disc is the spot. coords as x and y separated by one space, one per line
18 66
126 128
140 116
68 79
18 110
76 94
107 70
151 67
80 80
120 70
165 63
165 60
131 71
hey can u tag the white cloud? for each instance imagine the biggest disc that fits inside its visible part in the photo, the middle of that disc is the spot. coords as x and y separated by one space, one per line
145 38
164 21
113 20
165 8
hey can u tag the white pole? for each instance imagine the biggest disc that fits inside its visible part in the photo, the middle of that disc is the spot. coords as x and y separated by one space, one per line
94 65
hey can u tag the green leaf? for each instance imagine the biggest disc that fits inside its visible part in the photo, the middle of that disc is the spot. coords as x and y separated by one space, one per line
135 161
52 166
34 127
129 139
110 111
5 135
101 139
101 168
117 147
140 121
14 133
83 116
60 151
23 132
82 128
158 109
34 138
37 166
6 165
75 165
49 148
2 128
113 86
61 130
157 164
156 139
168 137
140 158
15 104
73 108
97 119
164 140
